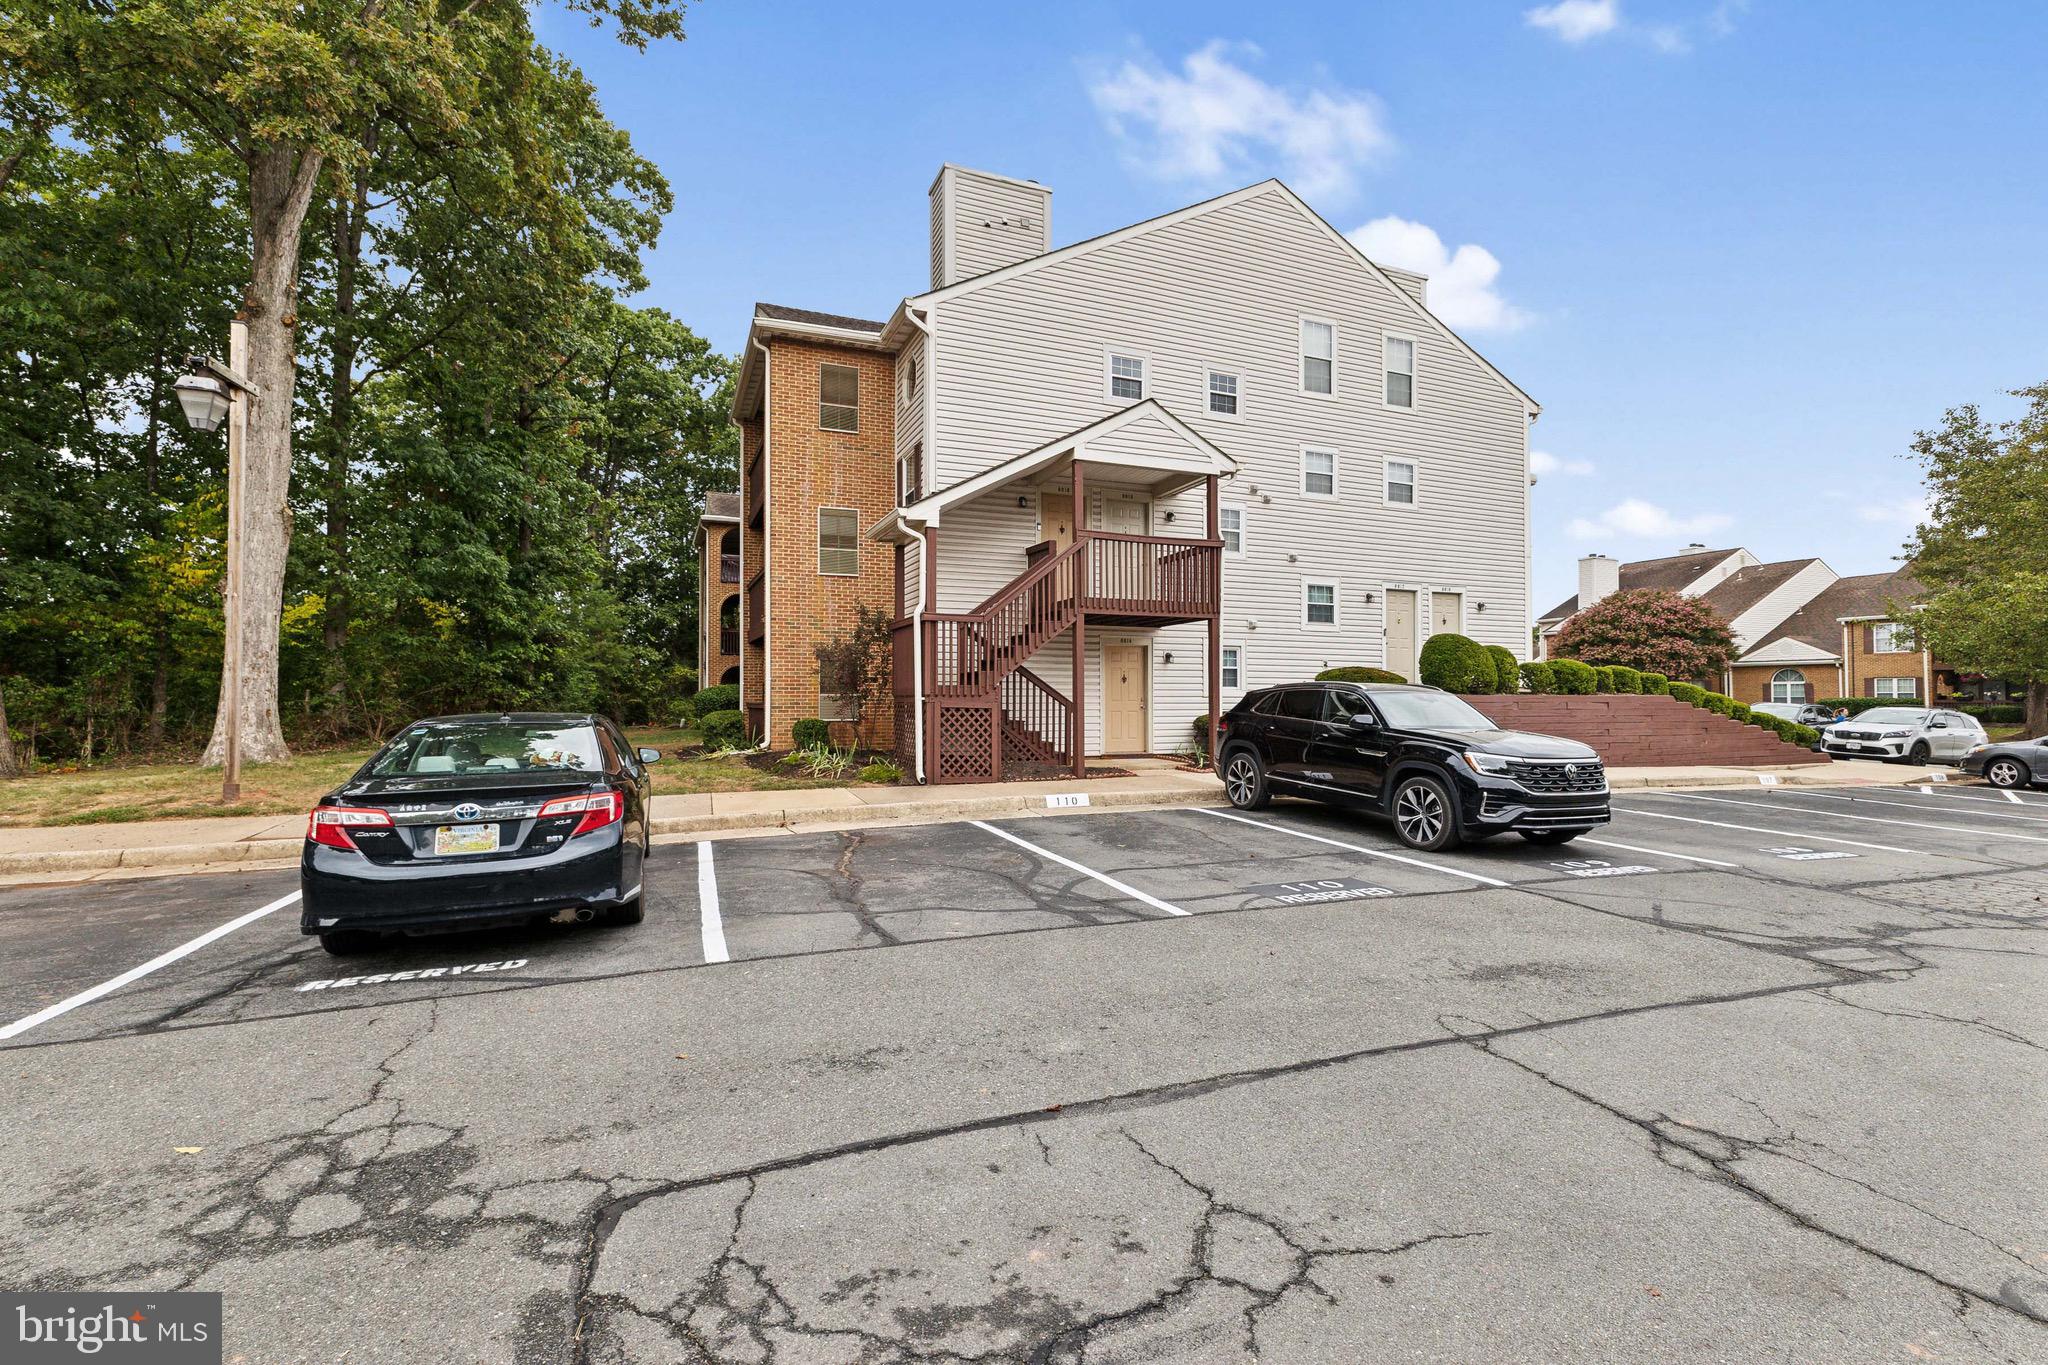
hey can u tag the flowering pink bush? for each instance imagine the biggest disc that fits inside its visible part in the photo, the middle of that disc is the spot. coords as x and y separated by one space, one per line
1650 630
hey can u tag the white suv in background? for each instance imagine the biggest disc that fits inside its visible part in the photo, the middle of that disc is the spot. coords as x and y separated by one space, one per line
1918 734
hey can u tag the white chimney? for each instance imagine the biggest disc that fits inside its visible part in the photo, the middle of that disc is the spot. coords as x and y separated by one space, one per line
1598 577
982 222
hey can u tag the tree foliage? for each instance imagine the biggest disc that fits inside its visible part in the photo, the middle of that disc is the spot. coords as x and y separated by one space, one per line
1982 553
1652 631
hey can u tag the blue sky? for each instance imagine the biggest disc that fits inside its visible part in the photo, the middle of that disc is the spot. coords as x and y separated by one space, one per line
1739 252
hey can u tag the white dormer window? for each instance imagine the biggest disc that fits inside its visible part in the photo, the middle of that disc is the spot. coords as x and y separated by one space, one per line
1400 354
1126 376
1224 397
1318 356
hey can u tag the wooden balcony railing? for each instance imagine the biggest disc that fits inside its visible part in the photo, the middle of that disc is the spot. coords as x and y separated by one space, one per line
1152 575
728 568
729 640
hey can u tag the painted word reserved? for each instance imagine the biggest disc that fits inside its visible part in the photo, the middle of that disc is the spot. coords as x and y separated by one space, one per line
423 974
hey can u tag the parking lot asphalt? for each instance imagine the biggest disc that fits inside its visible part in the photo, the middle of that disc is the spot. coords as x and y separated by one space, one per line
1747 1074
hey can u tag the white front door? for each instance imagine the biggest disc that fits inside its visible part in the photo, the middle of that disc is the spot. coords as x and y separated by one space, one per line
1125 516
1447 613
1401 632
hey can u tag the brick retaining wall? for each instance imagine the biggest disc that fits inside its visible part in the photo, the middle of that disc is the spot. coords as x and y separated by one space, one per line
1644 732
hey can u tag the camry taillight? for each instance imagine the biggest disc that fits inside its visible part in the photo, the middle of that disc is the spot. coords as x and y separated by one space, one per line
329 825
597 809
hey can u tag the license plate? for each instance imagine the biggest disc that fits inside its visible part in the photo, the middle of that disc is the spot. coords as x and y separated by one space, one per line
1852 746
454 839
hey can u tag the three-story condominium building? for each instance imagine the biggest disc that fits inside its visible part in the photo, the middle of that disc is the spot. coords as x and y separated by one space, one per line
1103 489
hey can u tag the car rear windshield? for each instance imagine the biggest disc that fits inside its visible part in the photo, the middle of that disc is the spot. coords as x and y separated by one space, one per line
1428 711
461 748
1892 715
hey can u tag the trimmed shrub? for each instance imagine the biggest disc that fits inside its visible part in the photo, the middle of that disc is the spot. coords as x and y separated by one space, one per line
1805 736
1627 680
1993 713
810 733
1507 675
1457 663
1355 673
1603 679
1655 684
1690 693
1739 711
1573 678
724 697
722 729
1538 677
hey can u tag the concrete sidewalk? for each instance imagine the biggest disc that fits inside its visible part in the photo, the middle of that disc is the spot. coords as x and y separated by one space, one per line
156 847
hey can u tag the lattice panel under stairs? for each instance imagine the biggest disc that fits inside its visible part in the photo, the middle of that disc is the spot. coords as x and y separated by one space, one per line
966 743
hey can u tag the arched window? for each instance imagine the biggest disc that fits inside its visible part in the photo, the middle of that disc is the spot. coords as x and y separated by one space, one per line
731 675
1788 684
729 543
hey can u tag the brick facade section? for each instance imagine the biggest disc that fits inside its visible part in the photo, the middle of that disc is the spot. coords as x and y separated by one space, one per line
809 469
751 662
712 595
1864 665
1753 683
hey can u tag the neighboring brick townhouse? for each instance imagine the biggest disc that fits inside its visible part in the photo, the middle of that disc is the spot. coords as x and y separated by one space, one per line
718 590
1102 489
1801 631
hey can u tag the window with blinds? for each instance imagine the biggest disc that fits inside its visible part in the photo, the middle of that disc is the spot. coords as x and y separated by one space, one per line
838 398
838 541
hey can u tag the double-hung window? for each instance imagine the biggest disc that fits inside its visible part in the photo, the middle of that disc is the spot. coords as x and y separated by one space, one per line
1230 525
1319 473
1319 604
1400 483
1400 361
1233 666
838 398
1126 375
1890 637
1318 356
838 541
1895 688
1224 395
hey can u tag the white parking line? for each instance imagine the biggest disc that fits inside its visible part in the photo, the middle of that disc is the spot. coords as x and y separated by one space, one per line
1878 819
707 907
1909 805
1355 848
1112 883
1659 852
1760 829
2013 797
86 997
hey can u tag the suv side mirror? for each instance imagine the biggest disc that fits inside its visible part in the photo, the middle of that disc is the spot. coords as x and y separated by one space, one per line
650 755
1364 720
1937 725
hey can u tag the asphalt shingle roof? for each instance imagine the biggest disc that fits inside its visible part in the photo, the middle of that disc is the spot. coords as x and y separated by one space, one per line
778 313
1670 574
1744 588
1818 623
722 506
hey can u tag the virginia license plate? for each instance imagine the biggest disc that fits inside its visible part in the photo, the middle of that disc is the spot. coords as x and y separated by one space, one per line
452 839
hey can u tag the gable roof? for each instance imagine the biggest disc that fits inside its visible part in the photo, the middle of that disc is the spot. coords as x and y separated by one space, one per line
721 507
777 312
1222 201
1670 574
1746 587
1819 622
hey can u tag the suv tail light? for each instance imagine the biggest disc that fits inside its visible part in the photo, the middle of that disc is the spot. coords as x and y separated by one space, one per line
329 825
597 809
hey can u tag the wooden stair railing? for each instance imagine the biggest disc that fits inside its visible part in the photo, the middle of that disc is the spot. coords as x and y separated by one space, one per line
1038 723
972 652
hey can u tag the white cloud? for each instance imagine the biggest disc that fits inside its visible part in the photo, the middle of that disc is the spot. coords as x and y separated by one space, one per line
1910 510
1575 21
1461 282
1543 464
1641 520
1212 119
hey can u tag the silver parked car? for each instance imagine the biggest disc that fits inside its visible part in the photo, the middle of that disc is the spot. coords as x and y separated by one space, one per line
1918 734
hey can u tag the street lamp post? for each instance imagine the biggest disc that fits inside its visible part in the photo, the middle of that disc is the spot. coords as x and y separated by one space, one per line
211 392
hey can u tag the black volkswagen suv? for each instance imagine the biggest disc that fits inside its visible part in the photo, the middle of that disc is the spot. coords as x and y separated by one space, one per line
467 821
1423 756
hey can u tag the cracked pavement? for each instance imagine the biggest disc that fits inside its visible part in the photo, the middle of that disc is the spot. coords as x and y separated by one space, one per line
955 1102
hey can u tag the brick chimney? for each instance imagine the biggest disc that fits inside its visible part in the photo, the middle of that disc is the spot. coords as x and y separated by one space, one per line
982 222
1598 577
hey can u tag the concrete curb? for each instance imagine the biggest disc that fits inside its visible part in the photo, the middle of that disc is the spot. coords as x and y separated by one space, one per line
685 828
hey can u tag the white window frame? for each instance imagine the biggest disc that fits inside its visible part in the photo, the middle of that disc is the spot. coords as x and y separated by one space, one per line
1223 667
853 512
1336 460
1242 542
1414 481
1911 692
1778 680
853 430
1895 638
1414 371
1336 588
1112 354
849 701
1301 356
1236 376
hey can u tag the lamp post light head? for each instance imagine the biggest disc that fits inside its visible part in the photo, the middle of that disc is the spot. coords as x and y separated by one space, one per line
204 399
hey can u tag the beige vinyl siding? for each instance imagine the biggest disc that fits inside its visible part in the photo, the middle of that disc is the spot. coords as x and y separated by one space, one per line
938 231
980 245
1019 362
1416 286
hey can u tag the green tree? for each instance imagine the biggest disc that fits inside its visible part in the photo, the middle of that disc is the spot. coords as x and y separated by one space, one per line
1982 552
1652 631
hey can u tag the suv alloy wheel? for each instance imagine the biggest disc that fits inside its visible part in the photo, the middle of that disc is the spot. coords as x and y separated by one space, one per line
1244 781
1423 816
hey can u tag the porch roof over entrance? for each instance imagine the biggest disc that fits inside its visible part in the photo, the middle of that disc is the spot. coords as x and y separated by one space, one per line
1143 444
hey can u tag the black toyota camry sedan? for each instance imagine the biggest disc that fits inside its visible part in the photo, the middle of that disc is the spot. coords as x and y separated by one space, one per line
1426 758
469 821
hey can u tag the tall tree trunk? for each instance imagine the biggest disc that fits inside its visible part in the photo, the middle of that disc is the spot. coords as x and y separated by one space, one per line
2037 710
349 222
281 182
8 767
